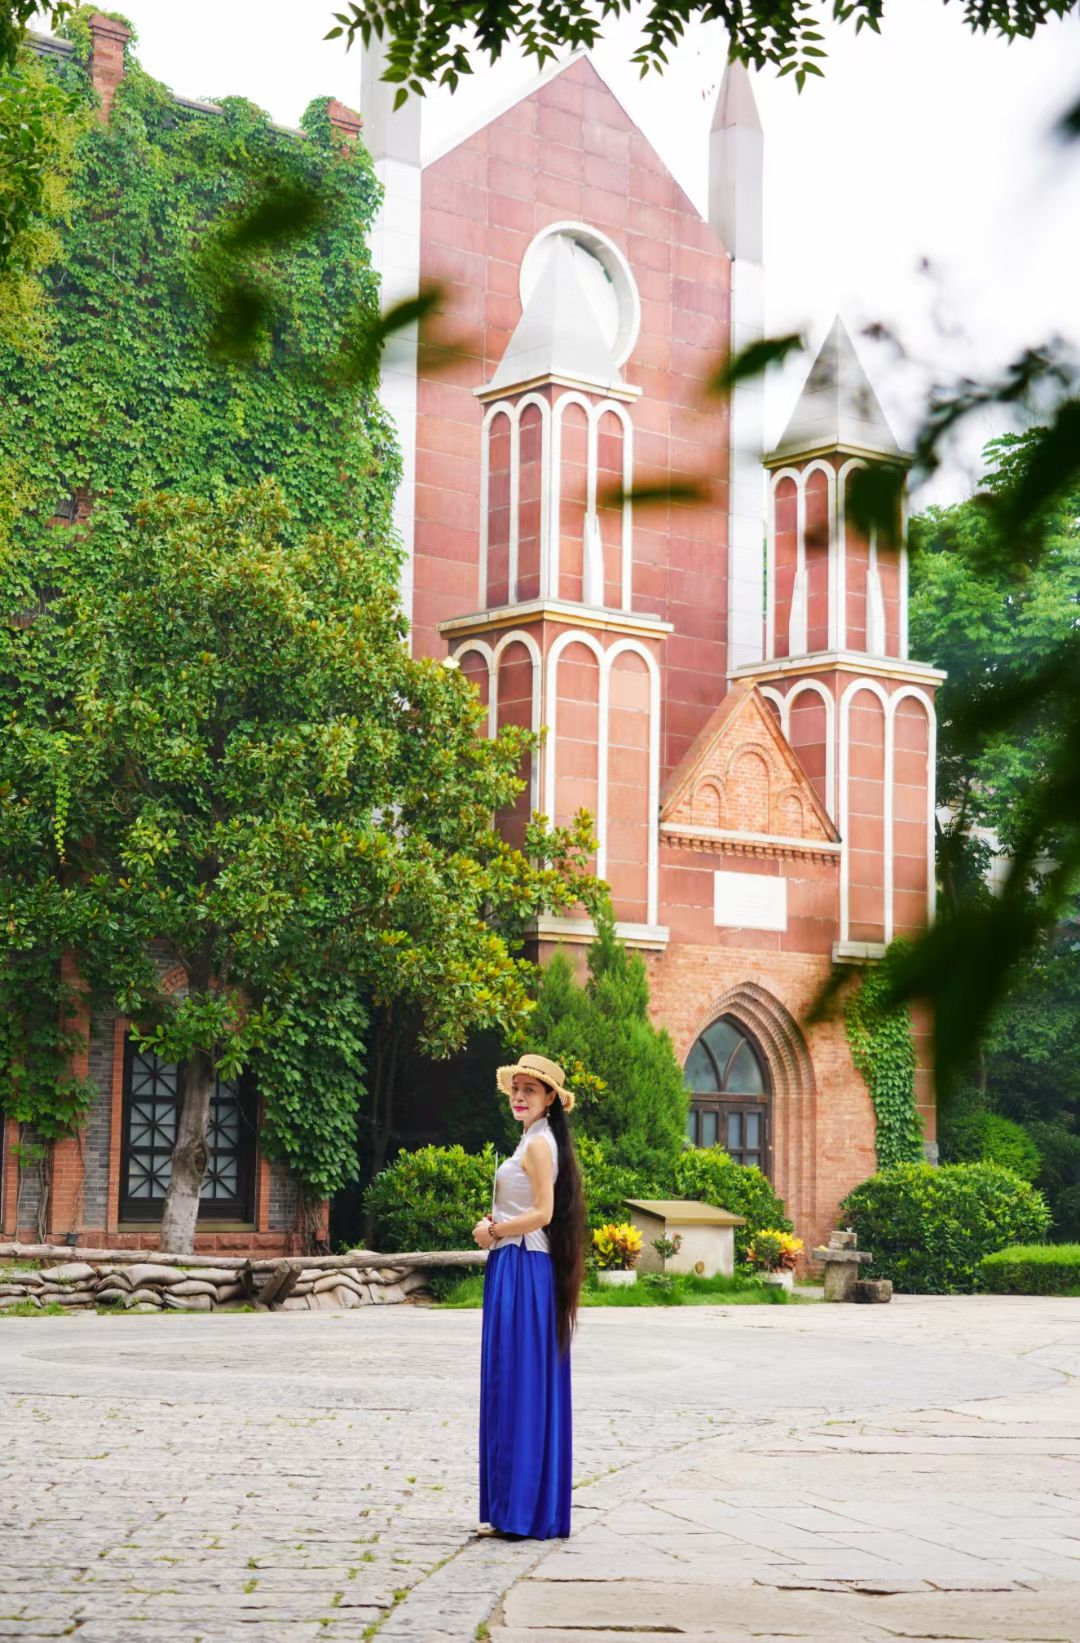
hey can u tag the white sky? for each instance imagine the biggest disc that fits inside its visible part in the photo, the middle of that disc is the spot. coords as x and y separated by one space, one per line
923 143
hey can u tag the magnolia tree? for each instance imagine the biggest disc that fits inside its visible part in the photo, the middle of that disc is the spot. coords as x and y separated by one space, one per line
218 750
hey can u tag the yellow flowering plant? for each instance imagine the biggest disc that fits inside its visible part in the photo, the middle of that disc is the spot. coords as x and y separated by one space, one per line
616 1247
774 1251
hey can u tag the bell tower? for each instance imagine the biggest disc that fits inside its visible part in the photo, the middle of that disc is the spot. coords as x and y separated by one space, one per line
857 711
555 641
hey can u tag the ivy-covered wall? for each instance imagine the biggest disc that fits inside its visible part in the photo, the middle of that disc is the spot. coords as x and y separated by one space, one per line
176 234
879 1034
183 293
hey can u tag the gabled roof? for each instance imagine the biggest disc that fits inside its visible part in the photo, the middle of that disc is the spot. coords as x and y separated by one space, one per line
837 406
559 331
723 730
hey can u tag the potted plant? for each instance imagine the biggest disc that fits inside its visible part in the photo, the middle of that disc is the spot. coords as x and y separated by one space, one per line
775 1256
616 1248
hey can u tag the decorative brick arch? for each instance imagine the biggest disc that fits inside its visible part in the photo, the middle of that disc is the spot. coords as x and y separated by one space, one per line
794 1090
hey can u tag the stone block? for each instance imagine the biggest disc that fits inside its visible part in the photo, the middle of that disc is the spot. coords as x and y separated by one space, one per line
872 1290
840 1280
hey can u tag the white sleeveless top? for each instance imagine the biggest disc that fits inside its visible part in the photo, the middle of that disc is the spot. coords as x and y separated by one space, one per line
513 1189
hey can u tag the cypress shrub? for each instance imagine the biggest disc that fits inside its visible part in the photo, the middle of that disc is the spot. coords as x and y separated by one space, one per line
632 1095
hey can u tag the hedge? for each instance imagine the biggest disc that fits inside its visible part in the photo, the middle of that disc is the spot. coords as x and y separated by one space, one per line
432 1198
929 1228
1033 1269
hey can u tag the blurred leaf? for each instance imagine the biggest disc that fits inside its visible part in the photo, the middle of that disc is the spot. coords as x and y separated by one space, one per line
873 502
658 492
361 355
1067 128
752 361
282 213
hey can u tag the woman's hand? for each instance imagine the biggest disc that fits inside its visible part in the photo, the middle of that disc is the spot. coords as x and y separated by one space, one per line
482 1234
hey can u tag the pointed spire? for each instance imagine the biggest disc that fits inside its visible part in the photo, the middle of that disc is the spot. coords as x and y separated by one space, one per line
735 105
560 332
736 165
837 406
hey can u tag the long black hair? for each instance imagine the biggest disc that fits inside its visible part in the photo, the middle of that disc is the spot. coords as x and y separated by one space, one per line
566 1229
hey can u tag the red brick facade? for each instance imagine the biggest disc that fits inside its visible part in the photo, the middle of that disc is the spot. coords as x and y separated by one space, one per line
757 820
756 824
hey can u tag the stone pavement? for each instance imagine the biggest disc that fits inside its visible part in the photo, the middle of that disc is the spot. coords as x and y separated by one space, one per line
825 1473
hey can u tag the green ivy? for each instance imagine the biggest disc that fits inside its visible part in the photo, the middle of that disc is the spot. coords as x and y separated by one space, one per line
159 244
883 1050
123 248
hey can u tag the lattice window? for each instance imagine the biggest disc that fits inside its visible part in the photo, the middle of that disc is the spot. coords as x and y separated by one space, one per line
730 1097
151 1106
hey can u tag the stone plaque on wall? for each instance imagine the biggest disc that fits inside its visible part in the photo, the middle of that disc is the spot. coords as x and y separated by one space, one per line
747 901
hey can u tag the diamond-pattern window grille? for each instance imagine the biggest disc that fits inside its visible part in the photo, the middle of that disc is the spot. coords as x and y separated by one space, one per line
151 1106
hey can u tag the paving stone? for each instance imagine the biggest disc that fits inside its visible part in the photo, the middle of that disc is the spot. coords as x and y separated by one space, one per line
791 1471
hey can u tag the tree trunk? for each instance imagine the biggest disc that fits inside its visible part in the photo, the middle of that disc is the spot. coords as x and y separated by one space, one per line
381 1095
189 1155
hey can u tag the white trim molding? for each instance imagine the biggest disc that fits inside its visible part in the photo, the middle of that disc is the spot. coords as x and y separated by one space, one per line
814 687
579 931
640 624
605 660
873 688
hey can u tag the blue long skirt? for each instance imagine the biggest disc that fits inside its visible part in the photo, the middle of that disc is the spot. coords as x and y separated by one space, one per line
525 1430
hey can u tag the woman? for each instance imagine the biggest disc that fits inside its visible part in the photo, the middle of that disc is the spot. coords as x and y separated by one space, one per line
536 1236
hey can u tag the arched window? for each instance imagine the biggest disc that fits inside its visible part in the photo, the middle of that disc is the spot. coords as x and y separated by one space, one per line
151 1107
729 1085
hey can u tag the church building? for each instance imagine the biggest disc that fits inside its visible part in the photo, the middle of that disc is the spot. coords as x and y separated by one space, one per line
716 653
723 684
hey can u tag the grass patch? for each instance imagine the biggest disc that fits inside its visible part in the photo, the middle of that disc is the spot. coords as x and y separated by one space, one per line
27 1309
680 1289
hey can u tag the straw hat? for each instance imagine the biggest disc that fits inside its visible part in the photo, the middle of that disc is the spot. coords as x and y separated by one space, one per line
537 1066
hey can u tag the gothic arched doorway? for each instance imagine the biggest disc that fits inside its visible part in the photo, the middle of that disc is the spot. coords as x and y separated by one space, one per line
731 1095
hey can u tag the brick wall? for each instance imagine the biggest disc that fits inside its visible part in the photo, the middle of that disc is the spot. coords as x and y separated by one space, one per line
569 152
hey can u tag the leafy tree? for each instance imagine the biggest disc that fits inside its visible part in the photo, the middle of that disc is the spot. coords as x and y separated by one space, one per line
623 1067
991 618
436 40
216 742
998 621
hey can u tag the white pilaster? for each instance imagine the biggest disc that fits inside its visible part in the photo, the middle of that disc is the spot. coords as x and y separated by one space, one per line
736 162
393 141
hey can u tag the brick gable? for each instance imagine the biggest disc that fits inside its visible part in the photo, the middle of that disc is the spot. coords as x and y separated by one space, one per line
741 776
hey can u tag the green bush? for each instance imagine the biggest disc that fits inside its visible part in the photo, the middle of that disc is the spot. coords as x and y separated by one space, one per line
980 1137
1033 1269
929 1228
608 1184
430 1199
710 1176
